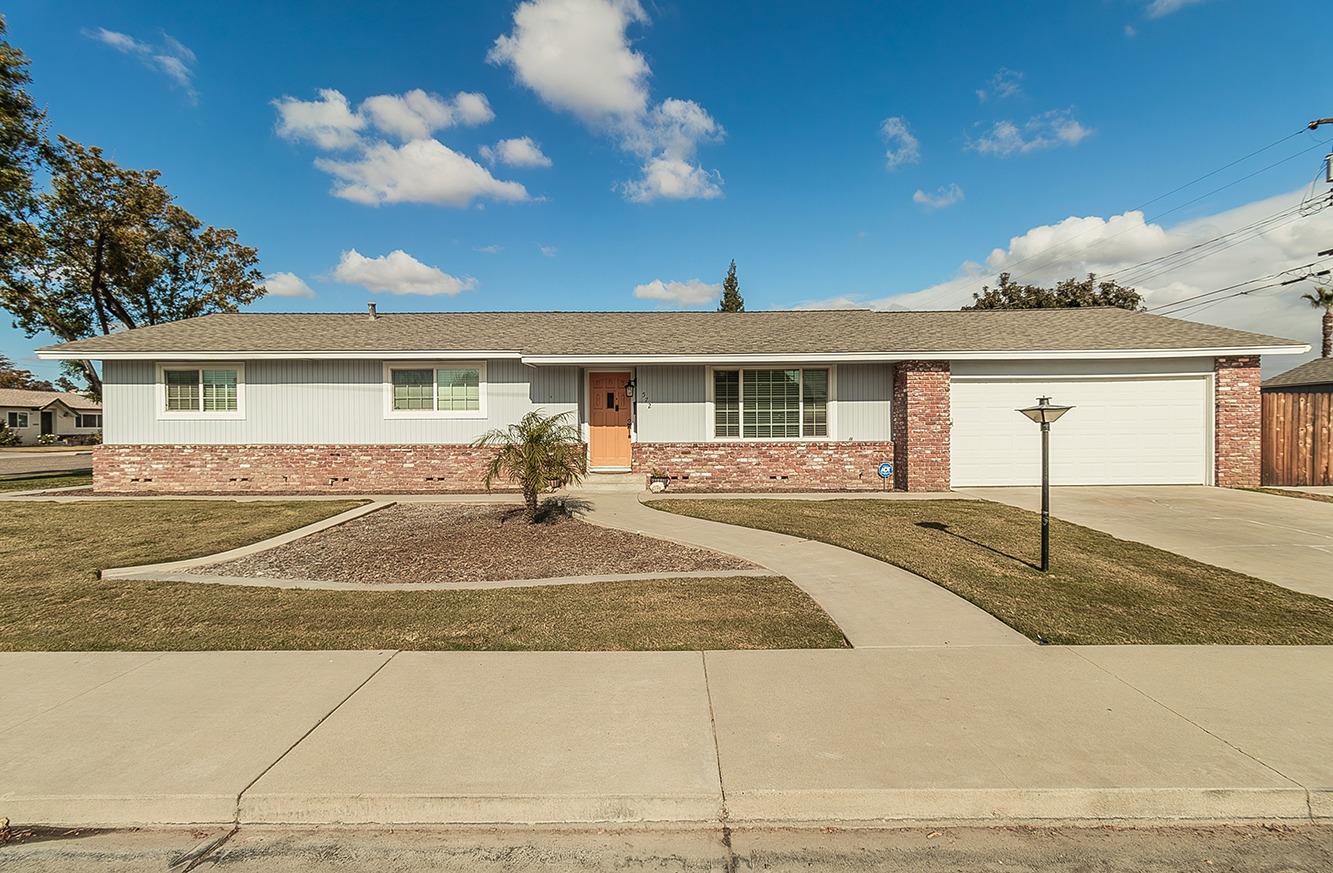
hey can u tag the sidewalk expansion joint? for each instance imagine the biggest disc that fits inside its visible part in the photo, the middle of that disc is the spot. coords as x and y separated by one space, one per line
85 691
314 727
724 818
1309 808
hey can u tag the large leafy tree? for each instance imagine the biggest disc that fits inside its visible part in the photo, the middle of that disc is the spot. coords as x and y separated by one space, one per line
1008 294
22 144
14 376
107 248
732 301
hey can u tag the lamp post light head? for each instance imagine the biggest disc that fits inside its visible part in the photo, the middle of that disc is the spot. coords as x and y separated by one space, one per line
1045 412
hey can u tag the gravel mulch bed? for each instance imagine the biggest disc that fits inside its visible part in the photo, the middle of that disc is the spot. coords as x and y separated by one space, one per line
469 543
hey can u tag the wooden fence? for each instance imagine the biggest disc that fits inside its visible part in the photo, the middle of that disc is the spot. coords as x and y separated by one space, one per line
1298 436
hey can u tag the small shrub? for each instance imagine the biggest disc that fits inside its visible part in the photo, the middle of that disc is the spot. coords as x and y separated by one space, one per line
47 439
8 437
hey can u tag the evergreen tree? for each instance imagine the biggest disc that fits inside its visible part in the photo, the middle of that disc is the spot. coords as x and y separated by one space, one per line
732 301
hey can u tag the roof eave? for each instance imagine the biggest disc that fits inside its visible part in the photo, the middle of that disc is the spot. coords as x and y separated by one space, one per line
58 353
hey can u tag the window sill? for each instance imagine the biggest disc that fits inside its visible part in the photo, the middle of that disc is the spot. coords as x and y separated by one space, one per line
201 416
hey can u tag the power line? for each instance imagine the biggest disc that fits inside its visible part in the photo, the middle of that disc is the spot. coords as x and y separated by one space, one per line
1282 278
1161 215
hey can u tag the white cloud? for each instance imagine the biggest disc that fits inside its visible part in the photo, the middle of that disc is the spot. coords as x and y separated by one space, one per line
328 122
1160 8
693 292
576 56
412 115
1005 83
944 196
287 285
1058 127
673 179
519 152
548 251
472 108
422 171
172 58
1079 245
398 273
903 147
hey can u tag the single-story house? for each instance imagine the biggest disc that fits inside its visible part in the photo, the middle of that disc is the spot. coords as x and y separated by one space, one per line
32 414
1298 425
789 400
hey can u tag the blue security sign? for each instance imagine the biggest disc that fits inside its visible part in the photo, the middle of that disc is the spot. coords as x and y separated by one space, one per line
885 470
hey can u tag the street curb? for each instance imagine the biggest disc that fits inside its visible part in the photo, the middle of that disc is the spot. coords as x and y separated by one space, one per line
486 585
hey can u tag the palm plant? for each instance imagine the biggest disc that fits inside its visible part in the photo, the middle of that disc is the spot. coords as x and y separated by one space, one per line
1322 298
539 452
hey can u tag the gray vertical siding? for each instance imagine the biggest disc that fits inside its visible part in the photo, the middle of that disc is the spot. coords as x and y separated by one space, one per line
671 403
864 394
340 402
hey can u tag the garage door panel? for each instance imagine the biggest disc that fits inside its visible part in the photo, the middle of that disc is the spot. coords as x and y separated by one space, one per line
1122 431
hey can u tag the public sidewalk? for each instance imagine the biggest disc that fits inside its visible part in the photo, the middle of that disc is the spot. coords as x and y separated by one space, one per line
988 733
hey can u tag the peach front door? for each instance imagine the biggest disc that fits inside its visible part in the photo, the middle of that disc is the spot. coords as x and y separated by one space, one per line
608 420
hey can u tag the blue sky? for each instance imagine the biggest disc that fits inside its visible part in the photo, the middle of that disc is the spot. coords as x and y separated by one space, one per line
680 135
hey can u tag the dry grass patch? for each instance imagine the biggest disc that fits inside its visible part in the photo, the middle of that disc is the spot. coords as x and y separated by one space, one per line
442 542
51 598
35 481
1289 492
1101 590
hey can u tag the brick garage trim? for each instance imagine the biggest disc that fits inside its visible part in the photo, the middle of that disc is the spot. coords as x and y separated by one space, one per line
920 425
766 466
289 469
1237 422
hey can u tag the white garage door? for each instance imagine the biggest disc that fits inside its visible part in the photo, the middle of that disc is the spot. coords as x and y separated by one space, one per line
1122 431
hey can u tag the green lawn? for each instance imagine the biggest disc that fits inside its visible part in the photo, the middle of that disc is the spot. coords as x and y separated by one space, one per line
35 481
52 599
1101 590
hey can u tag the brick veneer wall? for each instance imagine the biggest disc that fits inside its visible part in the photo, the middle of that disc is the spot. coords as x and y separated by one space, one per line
1237 422
920 425
766 466
294 469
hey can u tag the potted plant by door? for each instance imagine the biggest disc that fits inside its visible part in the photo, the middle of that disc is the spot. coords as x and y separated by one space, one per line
658 481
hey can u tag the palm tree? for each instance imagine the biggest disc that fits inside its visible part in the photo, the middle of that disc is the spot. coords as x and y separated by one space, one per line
540 452
1322 298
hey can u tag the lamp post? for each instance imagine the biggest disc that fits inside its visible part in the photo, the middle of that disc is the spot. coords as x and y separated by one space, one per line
1043 414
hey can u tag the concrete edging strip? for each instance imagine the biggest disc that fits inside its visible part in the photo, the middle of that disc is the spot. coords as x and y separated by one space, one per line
244 551
484 585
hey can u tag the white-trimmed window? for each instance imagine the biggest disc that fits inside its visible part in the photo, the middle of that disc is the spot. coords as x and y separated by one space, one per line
435 389
771 404
87 419
197 391
17 419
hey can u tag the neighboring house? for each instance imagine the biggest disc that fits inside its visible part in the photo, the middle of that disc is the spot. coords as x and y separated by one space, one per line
792 400
62 413
1298 425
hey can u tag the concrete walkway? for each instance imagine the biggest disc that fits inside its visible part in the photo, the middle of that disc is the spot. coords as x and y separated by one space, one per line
875 604
983 733
1284 540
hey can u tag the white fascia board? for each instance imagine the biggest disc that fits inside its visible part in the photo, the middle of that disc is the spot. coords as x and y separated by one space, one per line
436 354
839 357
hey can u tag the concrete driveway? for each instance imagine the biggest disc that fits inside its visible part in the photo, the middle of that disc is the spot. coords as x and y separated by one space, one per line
1285 540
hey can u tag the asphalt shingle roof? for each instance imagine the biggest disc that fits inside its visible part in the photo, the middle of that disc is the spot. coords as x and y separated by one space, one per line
676 333
37 399
1316 372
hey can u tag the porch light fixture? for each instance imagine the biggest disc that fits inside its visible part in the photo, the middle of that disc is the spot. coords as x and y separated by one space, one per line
629 387
1043 414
